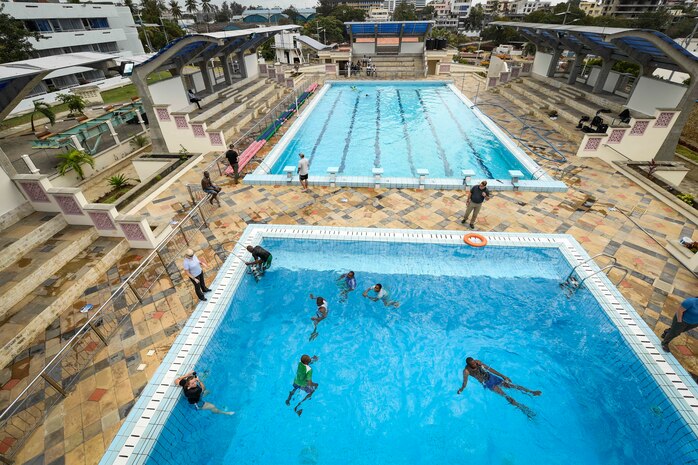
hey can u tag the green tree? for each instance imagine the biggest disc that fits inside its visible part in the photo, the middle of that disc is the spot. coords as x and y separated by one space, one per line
475 18
292 14
131 6
404 12
192 6
44 109
333 29
452 38
659 20
682 28
76 104
426 13
267 51
14 39
346 14
236 9
175 9
156 36
206 9
325 7
74 160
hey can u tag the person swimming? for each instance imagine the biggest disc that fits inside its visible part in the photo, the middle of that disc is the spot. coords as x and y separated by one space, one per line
320 314
346 284
494 381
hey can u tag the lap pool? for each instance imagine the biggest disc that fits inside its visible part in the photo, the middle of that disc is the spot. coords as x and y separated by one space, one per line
403 128
388 376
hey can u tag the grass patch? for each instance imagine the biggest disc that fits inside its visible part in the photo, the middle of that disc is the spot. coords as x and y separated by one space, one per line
118 95
114 194
686 152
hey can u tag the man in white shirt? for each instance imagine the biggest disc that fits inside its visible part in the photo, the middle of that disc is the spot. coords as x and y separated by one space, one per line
303 166
382 295
193 269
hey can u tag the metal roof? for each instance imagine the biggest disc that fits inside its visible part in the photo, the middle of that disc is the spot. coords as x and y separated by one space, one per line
644 46
393 28
193 47
312 43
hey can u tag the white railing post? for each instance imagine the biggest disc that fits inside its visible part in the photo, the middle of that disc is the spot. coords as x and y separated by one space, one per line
377 173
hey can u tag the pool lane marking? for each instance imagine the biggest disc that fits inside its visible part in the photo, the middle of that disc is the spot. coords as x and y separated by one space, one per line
407 135
442 154
479 159
347 141
324 127
376 144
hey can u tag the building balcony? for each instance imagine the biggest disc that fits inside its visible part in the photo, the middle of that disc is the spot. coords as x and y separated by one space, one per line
67 39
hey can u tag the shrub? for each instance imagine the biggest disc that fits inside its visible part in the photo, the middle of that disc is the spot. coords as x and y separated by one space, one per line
74 160
688 198
76 104
118 181
140 141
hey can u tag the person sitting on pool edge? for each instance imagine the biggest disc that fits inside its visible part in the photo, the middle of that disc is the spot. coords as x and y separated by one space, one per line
262 260
346 286
494 381
193 388
303 381
320 314
381 294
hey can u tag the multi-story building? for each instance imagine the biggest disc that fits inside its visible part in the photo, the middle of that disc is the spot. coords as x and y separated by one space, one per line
629 8
378 14
591 8
365 5
524 7
500 7
76 27
391 4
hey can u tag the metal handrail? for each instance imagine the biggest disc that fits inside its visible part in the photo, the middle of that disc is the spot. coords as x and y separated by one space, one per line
614 261
610 266
523 123
618 152
285 101
88 324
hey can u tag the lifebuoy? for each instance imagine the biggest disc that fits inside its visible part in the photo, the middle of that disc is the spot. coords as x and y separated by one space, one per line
481 241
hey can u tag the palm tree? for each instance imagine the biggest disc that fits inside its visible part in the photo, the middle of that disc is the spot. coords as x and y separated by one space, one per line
192 6
74 160
175 9
44 109
206 7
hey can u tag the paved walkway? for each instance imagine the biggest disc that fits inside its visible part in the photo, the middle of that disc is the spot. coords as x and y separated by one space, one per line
601 210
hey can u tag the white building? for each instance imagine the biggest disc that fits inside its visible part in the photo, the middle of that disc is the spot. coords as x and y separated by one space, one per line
76 27
524 7
378 15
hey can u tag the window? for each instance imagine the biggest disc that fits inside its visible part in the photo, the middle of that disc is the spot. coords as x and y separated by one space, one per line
38 25
98 23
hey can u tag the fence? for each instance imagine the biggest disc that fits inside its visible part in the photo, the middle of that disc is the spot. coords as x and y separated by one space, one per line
110 325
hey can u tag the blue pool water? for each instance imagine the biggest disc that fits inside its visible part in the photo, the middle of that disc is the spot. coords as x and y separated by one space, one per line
400 127
388 377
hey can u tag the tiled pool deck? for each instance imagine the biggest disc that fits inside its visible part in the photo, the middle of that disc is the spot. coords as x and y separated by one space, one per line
81 429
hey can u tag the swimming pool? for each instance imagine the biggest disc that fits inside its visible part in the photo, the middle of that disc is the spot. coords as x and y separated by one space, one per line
403 128
388 377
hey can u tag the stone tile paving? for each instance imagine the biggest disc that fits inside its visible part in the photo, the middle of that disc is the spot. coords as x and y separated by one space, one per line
600 210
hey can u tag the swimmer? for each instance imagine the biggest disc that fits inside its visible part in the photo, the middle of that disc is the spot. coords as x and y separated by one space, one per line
354 88
346 283
494 381
381 294
193 389
303 381
320 314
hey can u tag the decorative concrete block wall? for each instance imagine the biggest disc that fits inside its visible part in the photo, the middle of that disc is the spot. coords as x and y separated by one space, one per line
178 131
35 188
71 201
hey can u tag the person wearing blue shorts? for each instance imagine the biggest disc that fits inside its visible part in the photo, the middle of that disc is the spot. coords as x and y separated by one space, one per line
493 380
303 381
346 284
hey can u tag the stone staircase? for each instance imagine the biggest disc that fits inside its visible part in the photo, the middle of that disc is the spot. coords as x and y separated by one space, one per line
399 67
46 267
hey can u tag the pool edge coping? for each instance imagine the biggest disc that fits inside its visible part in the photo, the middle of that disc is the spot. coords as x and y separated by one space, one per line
132 445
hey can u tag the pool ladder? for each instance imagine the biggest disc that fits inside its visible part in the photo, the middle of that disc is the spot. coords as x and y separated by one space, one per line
572 283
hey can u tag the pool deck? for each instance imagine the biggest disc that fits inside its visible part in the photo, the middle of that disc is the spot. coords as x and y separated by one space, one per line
79 431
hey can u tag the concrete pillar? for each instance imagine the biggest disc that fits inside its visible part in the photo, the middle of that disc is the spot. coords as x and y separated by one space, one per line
603 75
553 63
668 148
154 130
113 132
203 67
76 142
227 75
576 68
30 164
139 118
240 57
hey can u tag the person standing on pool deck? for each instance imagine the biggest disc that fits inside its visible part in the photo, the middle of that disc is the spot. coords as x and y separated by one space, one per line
303 381
320 314
262 259
381 294
303 168
494 381
686 319
347 285
476 197
232 155
193 388
194 270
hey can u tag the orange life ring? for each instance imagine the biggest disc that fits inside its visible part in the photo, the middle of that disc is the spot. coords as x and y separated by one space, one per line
468 239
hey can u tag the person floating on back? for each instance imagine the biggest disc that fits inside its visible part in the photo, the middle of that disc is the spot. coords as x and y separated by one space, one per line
320 314
303 381
346 284
494 381
193 389
381 294
262 260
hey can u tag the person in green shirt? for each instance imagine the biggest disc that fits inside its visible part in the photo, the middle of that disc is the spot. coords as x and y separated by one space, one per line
303 381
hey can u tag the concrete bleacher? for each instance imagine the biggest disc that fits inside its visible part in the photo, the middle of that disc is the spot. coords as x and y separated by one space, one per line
398 67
